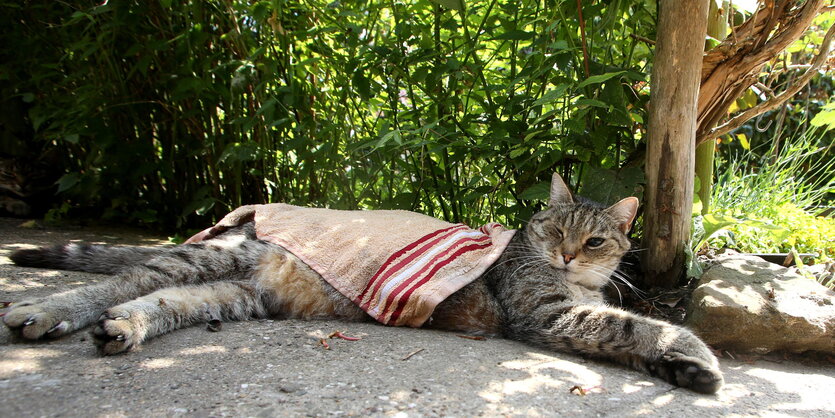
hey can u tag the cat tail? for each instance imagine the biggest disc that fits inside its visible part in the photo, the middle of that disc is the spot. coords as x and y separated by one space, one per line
85 257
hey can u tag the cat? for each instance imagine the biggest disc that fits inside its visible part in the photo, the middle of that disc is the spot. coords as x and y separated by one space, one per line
544 289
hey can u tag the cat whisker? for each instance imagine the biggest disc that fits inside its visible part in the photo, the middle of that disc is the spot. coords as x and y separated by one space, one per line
529 257
608 278
523 266
621 277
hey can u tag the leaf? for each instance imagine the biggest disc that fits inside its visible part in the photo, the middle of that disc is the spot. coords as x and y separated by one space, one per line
451 4
239 152
67 181
514 35
394 134
552 95
517 152
743 140
361 84
694 268
72 138
595 79
825 117
607 186
591 103
712 224
539 191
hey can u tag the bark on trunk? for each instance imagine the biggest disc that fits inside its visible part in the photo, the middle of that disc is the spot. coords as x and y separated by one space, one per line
676 75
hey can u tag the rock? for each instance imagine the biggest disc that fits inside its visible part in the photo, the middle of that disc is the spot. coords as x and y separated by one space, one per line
744 303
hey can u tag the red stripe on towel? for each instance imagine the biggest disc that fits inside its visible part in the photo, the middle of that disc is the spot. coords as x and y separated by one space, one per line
392 297
402 303
428 266
383 272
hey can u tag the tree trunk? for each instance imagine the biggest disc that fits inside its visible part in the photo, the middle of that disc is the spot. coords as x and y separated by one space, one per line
676 75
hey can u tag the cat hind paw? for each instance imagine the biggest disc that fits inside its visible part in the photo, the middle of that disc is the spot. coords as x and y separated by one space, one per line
114 333
33 321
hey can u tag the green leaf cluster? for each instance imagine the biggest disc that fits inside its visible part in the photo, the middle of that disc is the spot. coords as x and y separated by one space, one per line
169 113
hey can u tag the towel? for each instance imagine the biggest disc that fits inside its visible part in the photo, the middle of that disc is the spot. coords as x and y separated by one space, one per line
395 265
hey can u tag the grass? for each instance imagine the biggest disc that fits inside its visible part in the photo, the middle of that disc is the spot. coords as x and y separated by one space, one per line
777 198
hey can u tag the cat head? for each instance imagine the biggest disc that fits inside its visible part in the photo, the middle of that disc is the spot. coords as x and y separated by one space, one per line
584 239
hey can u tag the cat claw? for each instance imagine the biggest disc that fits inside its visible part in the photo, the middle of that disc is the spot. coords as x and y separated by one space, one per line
105 316
120 337
28 322
59 328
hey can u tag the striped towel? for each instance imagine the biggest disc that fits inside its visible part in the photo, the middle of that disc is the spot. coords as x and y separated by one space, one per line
395 265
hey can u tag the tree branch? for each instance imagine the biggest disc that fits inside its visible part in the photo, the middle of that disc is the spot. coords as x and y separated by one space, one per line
781 98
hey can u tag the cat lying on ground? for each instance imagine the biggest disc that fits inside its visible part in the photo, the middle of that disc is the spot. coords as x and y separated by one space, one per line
542 286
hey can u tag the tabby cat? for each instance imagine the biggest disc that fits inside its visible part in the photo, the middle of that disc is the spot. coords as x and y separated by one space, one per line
544 290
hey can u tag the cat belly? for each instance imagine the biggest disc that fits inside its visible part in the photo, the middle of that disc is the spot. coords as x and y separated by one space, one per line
294 290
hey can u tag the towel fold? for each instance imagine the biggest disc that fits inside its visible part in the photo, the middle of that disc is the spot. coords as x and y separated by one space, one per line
395 265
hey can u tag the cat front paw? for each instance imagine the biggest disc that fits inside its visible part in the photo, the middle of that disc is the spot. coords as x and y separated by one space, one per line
33 320
688 372
115 332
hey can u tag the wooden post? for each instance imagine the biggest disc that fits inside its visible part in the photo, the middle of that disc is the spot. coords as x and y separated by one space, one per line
717 27
676 74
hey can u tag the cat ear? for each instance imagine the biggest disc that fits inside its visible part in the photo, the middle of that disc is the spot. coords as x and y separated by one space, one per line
624 212
559 191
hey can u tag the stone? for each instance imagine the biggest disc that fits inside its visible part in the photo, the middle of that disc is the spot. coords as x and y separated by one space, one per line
744 303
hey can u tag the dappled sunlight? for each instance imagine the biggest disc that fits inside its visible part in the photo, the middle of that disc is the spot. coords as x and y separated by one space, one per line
24 360
158 363
540 368
664 399
806 390
204 349
7 249
636 387
727 395
20 284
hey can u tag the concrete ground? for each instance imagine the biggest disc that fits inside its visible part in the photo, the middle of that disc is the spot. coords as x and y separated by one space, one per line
277 368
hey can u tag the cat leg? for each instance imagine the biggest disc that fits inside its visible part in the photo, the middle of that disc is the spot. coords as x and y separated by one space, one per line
661 349
225 258
125 326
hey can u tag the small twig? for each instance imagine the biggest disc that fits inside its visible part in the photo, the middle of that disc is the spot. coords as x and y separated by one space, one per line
408 356
324 343
642 39
583 37
338 334
473 337
763 88
781 98
585 391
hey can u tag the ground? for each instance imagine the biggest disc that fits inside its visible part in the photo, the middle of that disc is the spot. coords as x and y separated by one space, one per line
270 368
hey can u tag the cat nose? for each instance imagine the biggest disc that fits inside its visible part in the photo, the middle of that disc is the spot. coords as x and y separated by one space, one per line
567 257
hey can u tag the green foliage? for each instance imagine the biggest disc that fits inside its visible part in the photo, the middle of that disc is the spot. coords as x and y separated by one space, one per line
168 113
771 202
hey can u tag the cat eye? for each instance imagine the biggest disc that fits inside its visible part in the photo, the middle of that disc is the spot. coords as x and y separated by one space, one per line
594 242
